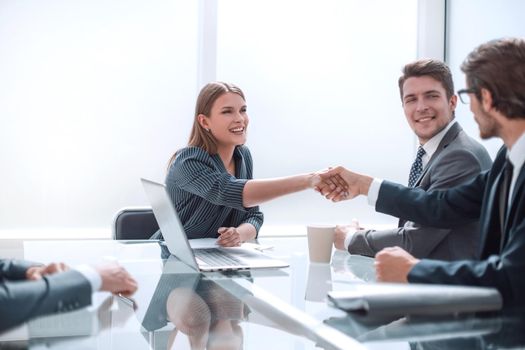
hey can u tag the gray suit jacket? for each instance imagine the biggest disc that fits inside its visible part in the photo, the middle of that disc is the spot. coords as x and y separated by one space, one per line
21 300
458 159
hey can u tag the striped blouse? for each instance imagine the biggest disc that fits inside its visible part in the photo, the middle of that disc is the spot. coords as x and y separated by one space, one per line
206 196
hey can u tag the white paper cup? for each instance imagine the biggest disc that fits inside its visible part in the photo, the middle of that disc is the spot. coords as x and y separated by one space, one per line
320 242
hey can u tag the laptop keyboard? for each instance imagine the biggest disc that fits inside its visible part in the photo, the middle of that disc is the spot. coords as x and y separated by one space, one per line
216 257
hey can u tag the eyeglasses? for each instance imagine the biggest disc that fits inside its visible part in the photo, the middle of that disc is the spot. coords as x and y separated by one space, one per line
464 95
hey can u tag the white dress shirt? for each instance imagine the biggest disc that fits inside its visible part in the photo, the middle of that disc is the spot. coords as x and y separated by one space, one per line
517 158
91 275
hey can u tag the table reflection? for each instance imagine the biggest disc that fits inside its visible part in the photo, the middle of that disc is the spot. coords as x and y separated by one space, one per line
319 281
203 314
353 267
208 315
60 331
473 331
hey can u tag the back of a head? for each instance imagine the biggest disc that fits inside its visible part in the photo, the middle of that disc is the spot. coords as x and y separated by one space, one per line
499 67
433 68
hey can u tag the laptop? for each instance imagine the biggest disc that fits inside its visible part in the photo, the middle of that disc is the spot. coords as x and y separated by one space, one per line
201 259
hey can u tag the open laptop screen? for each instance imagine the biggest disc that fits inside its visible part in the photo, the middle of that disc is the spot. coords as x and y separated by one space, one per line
169 222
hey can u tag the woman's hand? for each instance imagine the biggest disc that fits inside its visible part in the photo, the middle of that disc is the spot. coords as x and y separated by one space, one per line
334 185
229 237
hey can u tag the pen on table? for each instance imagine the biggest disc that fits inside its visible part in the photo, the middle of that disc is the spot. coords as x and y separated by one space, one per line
263 247
126 300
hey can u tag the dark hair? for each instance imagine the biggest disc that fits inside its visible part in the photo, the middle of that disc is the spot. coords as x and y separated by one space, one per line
499 67
428 67
207 97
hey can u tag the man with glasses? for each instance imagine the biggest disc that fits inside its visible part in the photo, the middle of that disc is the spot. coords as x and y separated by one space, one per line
495 76
446 157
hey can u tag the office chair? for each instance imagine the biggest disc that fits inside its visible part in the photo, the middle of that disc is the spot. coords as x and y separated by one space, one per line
134 223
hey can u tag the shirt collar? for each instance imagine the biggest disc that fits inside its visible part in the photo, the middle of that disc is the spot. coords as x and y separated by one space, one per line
517 153
431 145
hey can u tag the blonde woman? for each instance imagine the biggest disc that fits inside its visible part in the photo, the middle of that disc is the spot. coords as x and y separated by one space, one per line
211 182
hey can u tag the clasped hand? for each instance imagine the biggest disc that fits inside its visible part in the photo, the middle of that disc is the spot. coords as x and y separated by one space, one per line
339 183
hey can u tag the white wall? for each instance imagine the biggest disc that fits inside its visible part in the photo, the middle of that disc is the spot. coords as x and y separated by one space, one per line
94 95
471 23
321 84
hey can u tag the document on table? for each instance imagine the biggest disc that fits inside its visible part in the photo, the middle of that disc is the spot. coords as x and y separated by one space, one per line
415 299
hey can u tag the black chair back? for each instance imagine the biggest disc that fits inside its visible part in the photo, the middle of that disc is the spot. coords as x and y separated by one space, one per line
134 223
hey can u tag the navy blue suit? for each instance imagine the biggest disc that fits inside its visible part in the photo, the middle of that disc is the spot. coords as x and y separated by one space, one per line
501 261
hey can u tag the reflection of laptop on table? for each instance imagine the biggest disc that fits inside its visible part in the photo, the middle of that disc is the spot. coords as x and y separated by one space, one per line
203 259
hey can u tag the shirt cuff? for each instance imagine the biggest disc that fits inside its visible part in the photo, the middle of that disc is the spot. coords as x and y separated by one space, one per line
348 238
373 191
91 275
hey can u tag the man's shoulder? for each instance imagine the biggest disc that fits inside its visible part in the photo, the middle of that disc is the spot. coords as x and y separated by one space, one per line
460 155
465 144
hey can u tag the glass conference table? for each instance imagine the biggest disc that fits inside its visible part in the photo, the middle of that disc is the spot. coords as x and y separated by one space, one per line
177 308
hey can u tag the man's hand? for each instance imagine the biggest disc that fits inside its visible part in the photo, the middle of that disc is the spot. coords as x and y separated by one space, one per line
229 237
116 279
333 184
393 265
341 184
37 272
342 231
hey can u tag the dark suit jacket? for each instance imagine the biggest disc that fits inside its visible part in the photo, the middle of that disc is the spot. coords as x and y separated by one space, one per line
502 255
21 300
458 159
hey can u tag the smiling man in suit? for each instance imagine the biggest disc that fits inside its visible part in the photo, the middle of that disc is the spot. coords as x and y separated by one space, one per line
28 290
446 157
495 77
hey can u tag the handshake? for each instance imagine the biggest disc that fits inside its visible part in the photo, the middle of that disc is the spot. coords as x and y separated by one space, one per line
392 264
339 183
